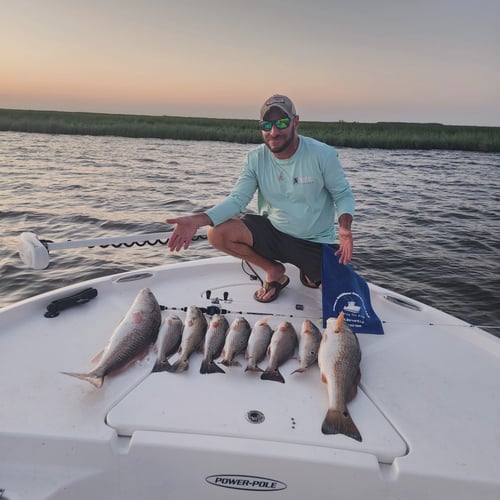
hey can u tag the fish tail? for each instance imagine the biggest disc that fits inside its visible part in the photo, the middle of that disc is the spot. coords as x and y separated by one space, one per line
181 365
340 422
210 367
274 375
161 366
93 379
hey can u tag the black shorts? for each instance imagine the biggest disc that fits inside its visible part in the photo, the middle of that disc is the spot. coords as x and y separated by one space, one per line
276 245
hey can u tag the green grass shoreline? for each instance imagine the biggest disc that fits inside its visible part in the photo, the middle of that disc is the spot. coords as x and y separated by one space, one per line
384 135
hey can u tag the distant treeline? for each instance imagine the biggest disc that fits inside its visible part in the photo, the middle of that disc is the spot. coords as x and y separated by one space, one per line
385 135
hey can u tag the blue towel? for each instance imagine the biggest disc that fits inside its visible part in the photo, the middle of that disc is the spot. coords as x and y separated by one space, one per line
345 290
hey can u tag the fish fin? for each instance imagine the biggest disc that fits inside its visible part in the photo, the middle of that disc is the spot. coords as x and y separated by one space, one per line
97 357
340 422
300 369
273 375
181 365
339 323
253 368
210 367
93 379
230 362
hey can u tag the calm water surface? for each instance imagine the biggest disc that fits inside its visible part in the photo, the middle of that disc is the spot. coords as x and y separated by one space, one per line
427 222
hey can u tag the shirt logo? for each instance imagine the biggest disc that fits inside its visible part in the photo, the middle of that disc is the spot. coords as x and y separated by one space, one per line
303 180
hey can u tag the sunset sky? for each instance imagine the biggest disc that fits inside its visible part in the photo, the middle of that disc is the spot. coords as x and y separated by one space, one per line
353 60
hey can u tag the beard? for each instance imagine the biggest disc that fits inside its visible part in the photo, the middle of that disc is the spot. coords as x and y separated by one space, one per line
285 145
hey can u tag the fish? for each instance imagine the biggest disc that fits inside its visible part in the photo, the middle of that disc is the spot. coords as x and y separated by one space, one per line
339 359
214 342
281 348
195 327
129 341
260 336
309 340
236 341
168 342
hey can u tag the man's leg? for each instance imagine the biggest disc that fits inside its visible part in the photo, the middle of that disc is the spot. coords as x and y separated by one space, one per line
234 238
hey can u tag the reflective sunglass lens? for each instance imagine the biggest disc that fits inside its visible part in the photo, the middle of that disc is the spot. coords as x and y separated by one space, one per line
281 124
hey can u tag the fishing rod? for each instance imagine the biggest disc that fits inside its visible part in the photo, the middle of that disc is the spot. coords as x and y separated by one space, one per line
35 253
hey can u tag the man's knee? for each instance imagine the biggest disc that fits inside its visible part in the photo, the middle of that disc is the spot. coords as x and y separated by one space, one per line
233 230
218 235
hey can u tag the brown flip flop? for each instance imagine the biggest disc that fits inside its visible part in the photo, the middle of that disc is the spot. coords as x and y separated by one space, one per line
305 282
273 285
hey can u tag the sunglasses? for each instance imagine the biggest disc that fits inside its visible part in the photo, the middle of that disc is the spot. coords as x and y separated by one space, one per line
281 124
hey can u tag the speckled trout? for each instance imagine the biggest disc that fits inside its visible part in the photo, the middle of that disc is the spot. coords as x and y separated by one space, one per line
339 358
130 340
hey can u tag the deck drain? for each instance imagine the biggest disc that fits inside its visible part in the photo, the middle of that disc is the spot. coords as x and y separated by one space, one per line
255 417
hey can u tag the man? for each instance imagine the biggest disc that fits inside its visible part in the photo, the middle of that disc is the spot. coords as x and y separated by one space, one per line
301 187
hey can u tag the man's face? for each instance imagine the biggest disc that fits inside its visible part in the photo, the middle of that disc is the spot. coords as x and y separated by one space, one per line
279 141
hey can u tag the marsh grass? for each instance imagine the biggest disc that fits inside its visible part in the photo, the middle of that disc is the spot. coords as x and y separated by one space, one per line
348 134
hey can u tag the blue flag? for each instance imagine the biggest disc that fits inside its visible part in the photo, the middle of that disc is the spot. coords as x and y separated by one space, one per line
343 290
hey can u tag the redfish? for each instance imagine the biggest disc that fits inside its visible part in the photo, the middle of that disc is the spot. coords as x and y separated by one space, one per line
168 342
131 339
260 336
339 359
236 341
195 328
281 348
214 342
309 340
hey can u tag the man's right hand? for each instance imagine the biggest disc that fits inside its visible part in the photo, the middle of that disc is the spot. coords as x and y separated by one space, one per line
185 229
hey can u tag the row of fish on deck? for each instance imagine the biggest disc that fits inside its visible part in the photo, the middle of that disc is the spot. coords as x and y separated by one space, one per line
336 350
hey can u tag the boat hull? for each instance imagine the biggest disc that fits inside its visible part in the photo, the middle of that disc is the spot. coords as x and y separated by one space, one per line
427 407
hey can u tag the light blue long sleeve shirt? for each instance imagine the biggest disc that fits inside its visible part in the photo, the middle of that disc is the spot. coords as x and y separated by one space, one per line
301 195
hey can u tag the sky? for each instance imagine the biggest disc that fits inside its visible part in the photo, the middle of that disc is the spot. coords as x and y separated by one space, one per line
353 60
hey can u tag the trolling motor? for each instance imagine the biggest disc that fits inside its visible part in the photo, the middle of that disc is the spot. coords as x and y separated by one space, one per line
35 252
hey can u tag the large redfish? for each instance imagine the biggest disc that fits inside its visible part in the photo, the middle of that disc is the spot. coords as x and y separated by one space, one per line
338 359
131 339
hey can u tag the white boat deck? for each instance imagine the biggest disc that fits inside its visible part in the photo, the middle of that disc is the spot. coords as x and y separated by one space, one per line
428 406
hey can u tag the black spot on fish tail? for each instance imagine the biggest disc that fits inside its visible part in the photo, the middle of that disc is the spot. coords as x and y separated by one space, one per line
273 375
181 365
88 377
340 422
210 367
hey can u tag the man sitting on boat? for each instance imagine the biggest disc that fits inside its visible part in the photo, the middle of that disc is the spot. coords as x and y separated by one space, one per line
301 188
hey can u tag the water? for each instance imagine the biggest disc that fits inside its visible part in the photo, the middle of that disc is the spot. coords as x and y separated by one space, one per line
427 222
